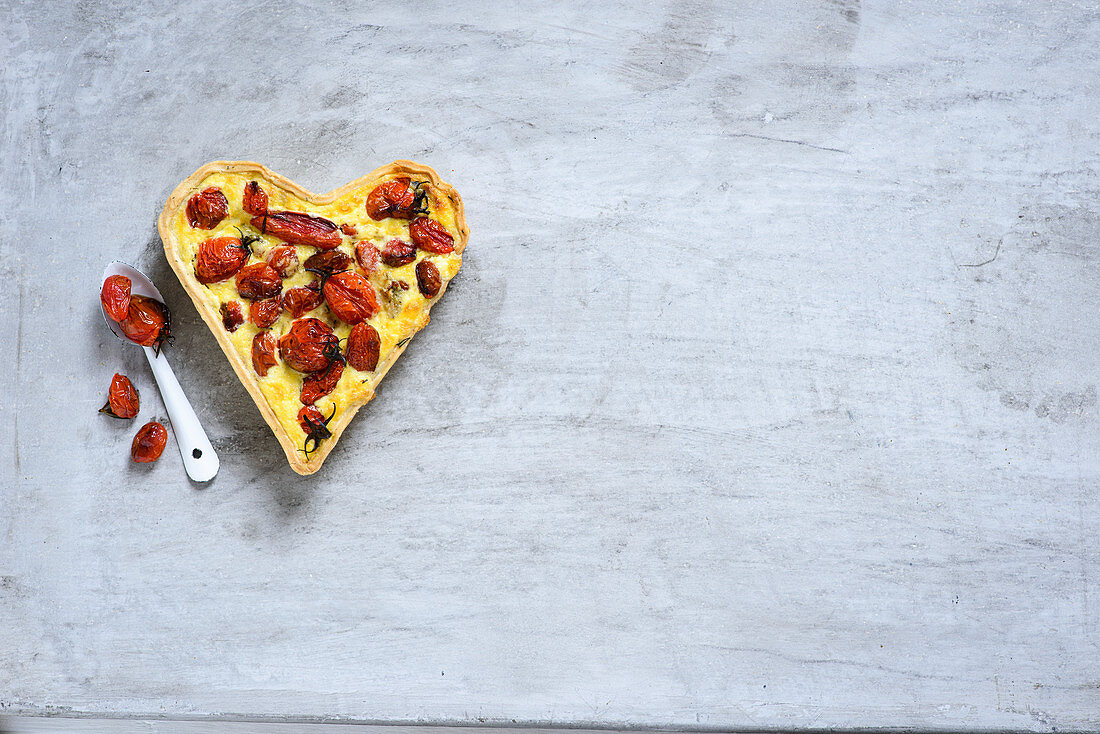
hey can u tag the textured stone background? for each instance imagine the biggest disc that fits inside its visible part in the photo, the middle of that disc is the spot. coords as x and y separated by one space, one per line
767 395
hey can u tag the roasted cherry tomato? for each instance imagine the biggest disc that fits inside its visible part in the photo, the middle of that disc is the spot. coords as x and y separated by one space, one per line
363 347
367 256
398 198
349 230
351 297
300 301
259 280
284 259
220 258
122 398
318 384
115 297
255 199
327 263
315 426
264 313
206 209
299 229
232 315
309 346
396 253
428 279
263 352
149 443
309 417
147 322
430 236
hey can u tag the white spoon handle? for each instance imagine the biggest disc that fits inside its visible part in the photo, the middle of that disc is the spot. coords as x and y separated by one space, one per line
199 458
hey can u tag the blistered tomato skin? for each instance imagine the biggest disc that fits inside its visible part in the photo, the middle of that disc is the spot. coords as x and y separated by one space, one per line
351 297
428 279
309 345
264 313
115 297
300 229
367 256
263 352
220 258
327 262
122 398
207 209
232 315
303 299
364 344
258 281
147 322
284 259
316 385
396 253
430 236
255 199
395 198
149 443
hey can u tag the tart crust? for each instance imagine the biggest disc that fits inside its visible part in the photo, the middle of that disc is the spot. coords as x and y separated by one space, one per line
207 306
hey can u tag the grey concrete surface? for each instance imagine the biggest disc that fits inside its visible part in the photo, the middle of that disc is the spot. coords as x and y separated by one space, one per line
767 396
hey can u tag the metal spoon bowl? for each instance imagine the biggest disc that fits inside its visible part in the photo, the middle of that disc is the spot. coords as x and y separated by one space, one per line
199 458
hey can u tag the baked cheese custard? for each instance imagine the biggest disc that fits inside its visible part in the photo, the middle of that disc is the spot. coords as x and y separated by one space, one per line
313 298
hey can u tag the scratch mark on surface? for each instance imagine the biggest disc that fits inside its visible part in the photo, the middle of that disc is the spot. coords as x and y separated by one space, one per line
787 140
986 262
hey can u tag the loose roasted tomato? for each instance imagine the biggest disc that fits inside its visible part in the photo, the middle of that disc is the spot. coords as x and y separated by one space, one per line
309 346
429 235
368 256
232 315
255 199
206 209
122 398
300 301
147 322
318 384
299 229
428 279
364 344
264 313
284 259
115 297
259 280
263 352
398 252
327 263
220 258
351 297
398 198
349 230
149 443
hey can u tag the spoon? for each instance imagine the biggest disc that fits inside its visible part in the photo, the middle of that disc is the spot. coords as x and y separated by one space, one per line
199 458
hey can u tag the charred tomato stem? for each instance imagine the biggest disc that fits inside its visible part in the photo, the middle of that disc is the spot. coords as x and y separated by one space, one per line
106 410
318 431
165 334
420 203
247 240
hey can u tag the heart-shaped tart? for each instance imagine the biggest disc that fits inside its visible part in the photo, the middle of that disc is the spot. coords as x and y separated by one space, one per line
313 297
